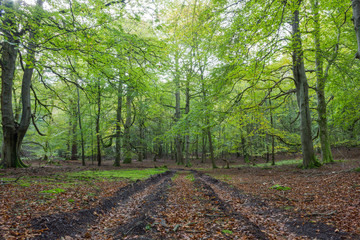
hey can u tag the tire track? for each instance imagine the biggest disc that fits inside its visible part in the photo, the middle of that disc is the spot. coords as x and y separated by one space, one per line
74 224
194 212
248 228
276 223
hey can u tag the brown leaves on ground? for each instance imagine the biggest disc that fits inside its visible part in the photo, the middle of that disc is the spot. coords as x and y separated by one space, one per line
192 214
19 203
330 194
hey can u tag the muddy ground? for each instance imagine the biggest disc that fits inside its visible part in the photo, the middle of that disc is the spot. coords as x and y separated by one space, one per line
196 203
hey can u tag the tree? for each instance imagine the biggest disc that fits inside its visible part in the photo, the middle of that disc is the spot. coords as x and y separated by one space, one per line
302 90
356 19
14 132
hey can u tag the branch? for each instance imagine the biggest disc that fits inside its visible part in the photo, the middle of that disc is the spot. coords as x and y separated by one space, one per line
36 128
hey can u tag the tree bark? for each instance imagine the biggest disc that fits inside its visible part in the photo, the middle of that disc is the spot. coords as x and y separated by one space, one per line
14 132
73 123
127 139
321 79
203 151
187 135
81 130
356 19
178 138
118 127
302 94
272 136
97 128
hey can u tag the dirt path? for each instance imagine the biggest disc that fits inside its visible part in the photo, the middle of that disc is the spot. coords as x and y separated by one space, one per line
275 223
74 225
182 205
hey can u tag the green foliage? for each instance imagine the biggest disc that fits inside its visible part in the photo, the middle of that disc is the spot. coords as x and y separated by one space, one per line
268 165
131 174
357 170
233 62
190 177
226 231
54 191
280 187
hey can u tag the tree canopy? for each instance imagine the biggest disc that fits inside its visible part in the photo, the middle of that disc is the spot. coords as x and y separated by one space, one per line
182 79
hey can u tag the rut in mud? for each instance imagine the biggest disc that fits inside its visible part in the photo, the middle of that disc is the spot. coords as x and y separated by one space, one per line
182 205
74 224
275 223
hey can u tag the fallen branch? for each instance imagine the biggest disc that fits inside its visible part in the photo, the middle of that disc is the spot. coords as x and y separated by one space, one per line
3 182
320 214
286 198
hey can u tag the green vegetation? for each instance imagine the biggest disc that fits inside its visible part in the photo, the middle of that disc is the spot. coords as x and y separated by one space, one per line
54 191
130 174
226 231
269 165
190 177
280 187
224 177
205 80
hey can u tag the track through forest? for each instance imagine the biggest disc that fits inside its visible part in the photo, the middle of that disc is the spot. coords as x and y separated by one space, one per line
182 205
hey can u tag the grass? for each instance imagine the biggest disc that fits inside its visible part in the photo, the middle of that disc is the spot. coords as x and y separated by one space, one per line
224 177
268 165
54 191
280 187
130 174
190 177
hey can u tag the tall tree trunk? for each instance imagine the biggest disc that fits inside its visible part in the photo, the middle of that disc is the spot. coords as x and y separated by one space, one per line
207 121
118 127
13 132
302 94
178 138
272 136
81 130
187 136
197 147
74 121
97 128
127 139
141 142
203 146
320 90
211 148
356 19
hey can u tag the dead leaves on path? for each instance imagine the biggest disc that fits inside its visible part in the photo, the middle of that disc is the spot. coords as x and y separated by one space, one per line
19 204
330 194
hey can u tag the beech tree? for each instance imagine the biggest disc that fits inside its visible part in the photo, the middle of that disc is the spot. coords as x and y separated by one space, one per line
14 32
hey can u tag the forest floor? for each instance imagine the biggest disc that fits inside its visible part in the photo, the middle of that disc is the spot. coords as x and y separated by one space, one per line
245 202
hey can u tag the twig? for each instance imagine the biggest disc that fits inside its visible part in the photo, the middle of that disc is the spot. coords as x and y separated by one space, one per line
320 214
286 198
3 182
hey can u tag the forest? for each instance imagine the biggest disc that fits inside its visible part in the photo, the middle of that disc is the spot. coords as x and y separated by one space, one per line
207 104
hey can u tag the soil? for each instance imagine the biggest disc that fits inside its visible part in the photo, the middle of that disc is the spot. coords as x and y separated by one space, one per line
236 203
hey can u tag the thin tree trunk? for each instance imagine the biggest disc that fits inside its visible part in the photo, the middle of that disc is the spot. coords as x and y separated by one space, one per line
187 136
356 19
127 139
302 88
98 136
74 141
81 130
203 151
118 127
211 148
178 138
272 136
